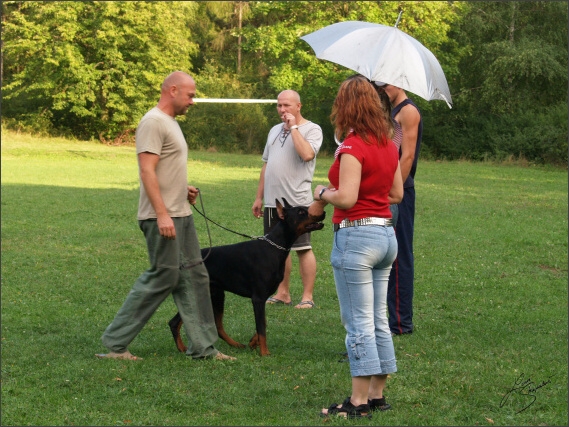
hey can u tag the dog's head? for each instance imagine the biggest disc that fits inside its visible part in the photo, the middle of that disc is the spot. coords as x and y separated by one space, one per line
298 218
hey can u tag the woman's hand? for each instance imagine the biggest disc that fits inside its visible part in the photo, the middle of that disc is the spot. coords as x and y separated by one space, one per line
317 191
316 208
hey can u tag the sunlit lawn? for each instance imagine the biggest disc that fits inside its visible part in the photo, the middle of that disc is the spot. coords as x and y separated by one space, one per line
490 346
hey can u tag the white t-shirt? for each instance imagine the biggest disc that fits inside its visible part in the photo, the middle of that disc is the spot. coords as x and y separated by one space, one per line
286 174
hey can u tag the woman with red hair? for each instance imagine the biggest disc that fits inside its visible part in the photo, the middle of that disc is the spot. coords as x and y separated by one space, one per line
365 179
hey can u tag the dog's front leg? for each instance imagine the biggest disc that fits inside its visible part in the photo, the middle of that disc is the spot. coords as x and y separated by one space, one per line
260 338
263 345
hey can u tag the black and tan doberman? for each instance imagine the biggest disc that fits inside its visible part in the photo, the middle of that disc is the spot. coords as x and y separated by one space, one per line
252 269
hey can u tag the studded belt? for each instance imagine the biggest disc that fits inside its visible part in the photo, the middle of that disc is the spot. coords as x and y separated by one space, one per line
385 222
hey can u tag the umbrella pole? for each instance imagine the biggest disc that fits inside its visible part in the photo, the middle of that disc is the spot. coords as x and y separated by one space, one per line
398 18
445 98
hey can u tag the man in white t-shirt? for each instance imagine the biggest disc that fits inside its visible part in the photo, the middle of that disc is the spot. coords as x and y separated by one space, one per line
165 218
289 162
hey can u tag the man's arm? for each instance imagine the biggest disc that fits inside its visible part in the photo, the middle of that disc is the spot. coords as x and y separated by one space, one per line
147 163
258 204
396 192
409 119
302 146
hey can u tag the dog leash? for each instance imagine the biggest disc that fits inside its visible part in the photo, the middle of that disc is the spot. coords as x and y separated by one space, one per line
235 232
219 225
186 267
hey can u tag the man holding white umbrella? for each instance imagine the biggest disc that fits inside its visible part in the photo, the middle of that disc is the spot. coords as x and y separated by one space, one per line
408 130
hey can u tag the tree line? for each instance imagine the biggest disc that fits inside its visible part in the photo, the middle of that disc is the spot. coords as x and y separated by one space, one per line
92 69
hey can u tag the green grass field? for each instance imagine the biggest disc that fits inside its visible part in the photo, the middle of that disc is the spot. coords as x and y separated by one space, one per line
490 346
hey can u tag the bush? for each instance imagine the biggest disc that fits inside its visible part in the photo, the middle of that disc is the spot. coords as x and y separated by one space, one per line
38 124
540 138
537 137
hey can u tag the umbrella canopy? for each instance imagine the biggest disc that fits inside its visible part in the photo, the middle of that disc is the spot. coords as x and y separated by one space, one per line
384 54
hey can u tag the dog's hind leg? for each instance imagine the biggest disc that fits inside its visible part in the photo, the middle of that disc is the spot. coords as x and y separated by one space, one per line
218 303
254 342
222 334
175 326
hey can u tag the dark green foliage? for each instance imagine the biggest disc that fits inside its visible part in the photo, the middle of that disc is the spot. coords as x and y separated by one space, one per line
92 69
539 136
511 97
96 67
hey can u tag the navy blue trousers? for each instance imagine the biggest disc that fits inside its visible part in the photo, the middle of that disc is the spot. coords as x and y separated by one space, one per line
400 287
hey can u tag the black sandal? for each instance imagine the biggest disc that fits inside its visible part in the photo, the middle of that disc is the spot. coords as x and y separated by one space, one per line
350 411
378 404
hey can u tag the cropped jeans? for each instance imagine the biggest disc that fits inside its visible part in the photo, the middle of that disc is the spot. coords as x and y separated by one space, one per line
362 257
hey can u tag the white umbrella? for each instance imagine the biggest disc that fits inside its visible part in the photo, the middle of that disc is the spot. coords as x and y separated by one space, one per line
384 54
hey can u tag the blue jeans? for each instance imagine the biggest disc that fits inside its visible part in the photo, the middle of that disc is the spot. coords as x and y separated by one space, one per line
362 257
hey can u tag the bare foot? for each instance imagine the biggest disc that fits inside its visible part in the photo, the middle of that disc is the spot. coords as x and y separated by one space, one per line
221 356
127 355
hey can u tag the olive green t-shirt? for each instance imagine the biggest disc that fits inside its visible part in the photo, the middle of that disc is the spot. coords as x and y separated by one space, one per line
160 134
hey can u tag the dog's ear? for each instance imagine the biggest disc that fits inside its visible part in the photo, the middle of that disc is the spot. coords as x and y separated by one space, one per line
280 209
286 204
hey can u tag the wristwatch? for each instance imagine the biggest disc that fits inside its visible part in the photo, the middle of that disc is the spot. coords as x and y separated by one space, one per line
294 127
322 192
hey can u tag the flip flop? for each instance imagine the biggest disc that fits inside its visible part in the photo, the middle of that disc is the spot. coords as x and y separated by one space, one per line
272 300
301 303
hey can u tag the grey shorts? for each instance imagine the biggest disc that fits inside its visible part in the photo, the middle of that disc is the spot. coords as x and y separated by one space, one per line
271 217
